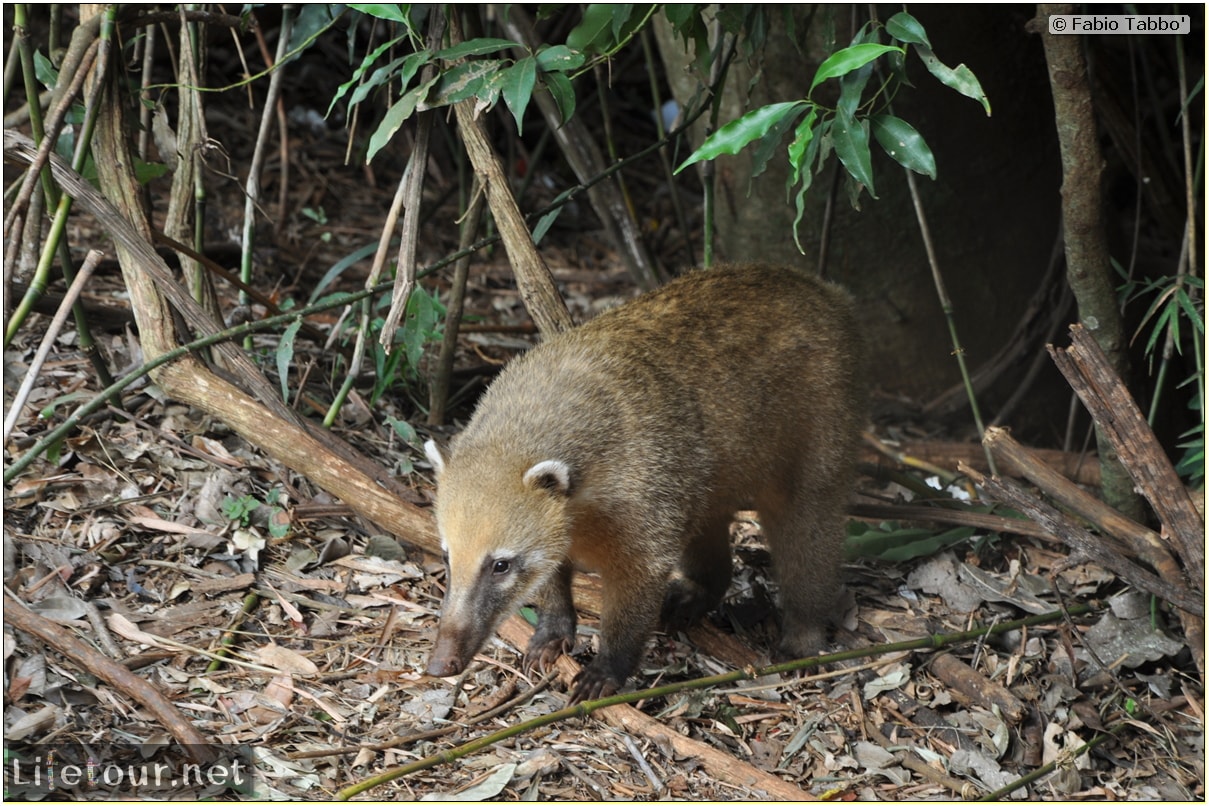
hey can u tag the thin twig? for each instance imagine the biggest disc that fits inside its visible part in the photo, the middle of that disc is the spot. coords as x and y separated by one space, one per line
417 165
48 340
946 305
252 188
439 394
1046 769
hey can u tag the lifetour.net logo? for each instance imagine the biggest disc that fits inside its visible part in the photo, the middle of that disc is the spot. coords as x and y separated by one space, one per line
111 772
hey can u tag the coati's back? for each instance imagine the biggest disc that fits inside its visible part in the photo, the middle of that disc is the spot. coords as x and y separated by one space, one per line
718 371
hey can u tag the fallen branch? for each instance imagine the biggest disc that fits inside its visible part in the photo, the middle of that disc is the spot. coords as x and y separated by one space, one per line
1080 468
1090 374
1100 552
85 657
1144 543
274 429
973 687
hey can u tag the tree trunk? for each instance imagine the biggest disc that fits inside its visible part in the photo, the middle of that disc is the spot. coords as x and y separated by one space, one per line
992 209
1088 269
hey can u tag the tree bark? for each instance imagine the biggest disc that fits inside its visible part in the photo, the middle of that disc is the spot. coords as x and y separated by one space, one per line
1088 269
533 277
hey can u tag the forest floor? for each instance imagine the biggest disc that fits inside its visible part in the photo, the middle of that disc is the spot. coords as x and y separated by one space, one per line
158 537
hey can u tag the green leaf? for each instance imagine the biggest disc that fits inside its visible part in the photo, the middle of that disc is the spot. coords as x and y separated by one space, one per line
891 544
285 356
395 117
518 88
384 11
594 31
544 224
959 78
852 147
1165 318
1192 464
851 87
562 92
820 136
559 57
680 15
904 144
45 70
905 28
278 529
403 68
768 144
238 509
734 136
621 15
845 61
1190 310
475 47
687 22
313 19
466 80
802 138
419 323
144 172
366 63
338 268
48 410
405 430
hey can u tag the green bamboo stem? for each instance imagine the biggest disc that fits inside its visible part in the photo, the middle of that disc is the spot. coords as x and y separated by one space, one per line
946 305
56 243
231 634
252 187
43 132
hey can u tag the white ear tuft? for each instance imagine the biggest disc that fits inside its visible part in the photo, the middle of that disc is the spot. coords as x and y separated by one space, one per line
434 455
551 475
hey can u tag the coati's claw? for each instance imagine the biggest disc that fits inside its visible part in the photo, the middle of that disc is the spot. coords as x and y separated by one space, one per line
591 684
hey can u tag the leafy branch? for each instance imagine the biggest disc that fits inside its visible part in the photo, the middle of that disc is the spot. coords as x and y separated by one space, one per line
845 127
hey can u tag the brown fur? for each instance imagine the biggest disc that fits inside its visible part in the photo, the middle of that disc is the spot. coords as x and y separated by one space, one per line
626 445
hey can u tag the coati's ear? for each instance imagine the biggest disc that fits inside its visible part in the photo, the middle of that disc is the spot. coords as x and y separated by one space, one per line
434 455
551 475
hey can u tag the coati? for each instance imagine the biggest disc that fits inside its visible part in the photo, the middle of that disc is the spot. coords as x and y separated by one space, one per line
625 447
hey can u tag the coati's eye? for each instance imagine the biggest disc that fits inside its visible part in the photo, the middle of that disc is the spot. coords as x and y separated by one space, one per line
501 567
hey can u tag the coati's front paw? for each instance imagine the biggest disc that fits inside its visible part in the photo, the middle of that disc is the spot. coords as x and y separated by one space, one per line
592 683
544 650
